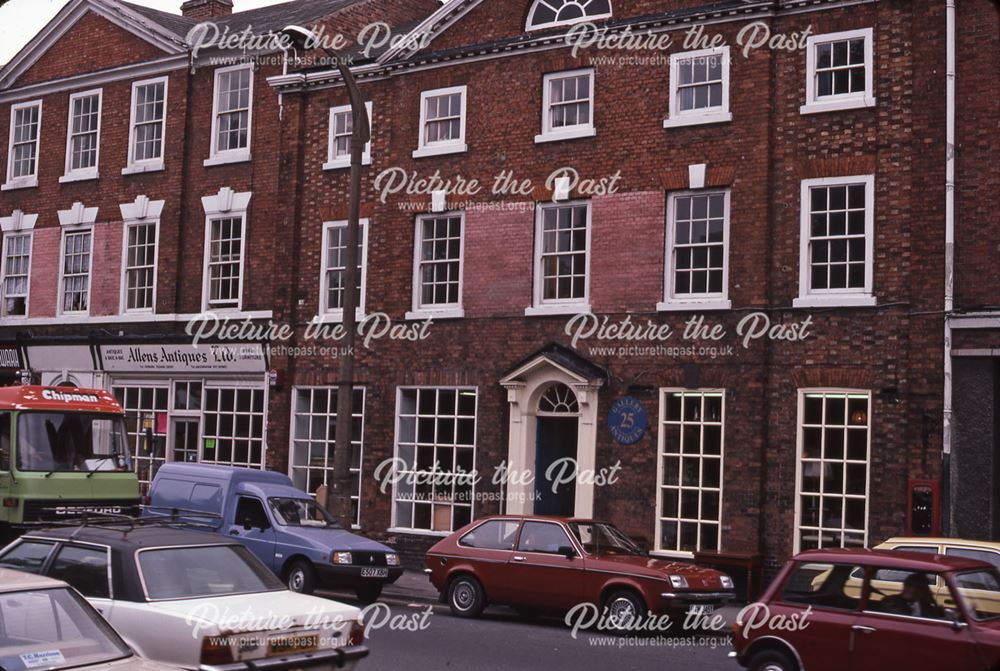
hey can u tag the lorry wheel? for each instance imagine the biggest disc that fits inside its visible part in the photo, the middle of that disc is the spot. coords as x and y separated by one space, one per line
368 593
301 577
466 597
772 660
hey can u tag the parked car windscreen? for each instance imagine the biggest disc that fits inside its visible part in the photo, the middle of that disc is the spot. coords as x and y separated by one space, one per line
203 571
600 539
300 513
981 591
54 629
71 441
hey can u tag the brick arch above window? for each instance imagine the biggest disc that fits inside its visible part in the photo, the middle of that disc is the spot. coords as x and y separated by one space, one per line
548 13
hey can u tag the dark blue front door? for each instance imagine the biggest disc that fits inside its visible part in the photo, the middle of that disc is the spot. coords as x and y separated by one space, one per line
555 444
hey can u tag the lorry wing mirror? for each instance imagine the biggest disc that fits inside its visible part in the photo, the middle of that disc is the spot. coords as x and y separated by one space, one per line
247 524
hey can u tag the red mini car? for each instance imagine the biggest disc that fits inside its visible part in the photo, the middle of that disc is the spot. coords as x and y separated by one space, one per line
554 564
868 610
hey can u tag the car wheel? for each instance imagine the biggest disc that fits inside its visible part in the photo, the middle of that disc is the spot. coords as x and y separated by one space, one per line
466 597
301 577
368 593
623 610
772 660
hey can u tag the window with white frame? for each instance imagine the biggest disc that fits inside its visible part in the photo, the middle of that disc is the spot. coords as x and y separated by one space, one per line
833 470
341 128
567 106
697 261
837 242
435 456
224 262
232 114
690 471
442 122
699 88
334 268
840 71
562 258
16 273
314 430
83 136
437 274
140 265
549 13
148 125
234 427
25 135
142 404
76 266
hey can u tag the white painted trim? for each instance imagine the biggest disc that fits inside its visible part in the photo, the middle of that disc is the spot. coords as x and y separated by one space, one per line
139 318
78 215
29 231
217 157
419 311
338 162
550 134
541 306
18 221
92 79
123 286
974 322
553 24
61 289
831 103
706 301
148 165
81 174
227 204
709 115
23 181
337 314
809 297
440 148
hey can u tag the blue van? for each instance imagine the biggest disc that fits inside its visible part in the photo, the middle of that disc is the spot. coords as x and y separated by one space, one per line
296 537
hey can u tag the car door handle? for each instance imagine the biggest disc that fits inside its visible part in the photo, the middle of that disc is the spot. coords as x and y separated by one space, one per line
234 532
518 558
863 629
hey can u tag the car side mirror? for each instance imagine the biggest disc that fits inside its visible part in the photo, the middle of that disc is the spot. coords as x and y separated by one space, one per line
247 524
957 623
567 551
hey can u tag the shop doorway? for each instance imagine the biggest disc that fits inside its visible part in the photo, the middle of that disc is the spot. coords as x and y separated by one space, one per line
185 439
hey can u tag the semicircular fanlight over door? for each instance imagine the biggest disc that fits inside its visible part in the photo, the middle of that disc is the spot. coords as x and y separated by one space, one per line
558 399
546 13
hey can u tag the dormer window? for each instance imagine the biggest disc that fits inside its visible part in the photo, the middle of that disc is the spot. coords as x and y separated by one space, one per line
549 13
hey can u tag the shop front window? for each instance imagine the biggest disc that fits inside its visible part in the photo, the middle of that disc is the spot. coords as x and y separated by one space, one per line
234 427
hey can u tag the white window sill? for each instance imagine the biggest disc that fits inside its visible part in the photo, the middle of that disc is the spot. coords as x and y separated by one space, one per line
560 135
226 309
820 106
418 532
227 159
142 168
341 163
451 148
835 301
697 119
20 183
337 316
557 309
73 315
78 177
427 313
694 306
671 555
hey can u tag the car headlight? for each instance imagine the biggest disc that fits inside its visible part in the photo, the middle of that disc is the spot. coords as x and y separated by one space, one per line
678 582
727 582
391 559
342 558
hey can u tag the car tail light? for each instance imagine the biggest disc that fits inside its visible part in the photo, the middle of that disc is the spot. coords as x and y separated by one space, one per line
10 502
357 636
215 651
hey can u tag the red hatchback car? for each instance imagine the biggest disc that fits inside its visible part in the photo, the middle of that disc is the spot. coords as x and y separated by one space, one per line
868 610
554 564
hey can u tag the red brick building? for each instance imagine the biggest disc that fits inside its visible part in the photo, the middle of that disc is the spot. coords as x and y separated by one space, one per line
731 318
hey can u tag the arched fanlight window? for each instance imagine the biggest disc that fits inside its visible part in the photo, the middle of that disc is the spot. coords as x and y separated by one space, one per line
558 400
545 13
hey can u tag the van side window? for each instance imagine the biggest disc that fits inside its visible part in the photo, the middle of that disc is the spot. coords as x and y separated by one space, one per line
4 441
84 568
250 511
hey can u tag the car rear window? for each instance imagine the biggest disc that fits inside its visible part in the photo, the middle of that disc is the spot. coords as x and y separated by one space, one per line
211 570
821 585
493 535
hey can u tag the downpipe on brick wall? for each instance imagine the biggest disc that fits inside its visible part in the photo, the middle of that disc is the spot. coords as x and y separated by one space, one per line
949 244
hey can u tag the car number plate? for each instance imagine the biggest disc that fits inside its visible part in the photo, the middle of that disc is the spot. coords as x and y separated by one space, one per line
374 573
292 644
702 610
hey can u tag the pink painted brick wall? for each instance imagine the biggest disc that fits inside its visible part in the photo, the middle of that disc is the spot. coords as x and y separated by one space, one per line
105 289
44 272
498 261
627 247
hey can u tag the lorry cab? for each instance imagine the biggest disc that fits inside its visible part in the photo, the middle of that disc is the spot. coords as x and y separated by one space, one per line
283 526
63 452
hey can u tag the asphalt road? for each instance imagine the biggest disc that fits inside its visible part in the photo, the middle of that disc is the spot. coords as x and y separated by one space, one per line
501 641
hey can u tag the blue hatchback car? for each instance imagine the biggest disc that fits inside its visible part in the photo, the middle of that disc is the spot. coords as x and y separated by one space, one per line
295 536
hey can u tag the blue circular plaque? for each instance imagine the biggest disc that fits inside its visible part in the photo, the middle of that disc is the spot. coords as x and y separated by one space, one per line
627 421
